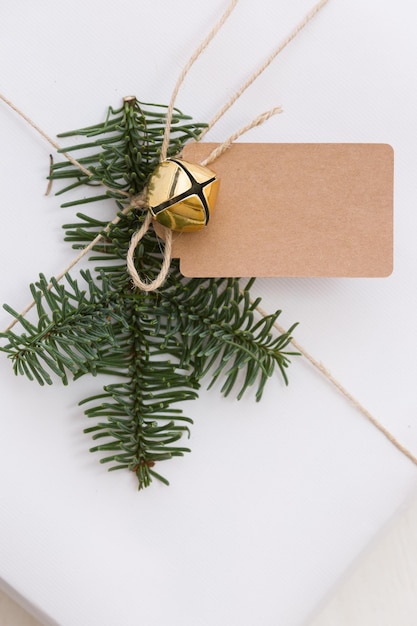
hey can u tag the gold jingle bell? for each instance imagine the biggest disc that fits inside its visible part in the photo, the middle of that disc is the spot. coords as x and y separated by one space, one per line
180 195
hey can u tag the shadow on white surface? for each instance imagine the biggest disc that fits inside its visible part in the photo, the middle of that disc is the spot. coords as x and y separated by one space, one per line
382 591
13 614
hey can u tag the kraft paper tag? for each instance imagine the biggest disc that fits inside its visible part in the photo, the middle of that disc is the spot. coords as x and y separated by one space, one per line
295 210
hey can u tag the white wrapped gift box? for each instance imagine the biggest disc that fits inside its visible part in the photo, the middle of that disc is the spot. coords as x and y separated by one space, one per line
278 498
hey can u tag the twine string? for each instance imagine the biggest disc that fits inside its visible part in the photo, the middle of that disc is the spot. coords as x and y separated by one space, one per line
166 233
342 389
73 262
166 260
263 117
55 145
308 17
198 51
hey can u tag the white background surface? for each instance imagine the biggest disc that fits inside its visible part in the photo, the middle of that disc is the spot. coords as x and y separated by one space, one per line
275 498
382 590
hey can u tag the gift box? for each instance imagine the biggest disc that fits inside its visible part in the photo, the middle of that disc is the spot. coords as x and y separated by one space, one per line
280 497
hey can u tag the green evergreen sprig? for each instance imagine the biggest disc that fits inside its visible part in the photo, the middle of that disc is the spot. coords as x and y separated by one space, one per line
158 346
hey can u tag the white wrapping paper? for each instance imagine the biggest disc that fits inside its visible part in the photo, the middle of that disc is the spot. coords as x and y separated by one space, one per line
279 498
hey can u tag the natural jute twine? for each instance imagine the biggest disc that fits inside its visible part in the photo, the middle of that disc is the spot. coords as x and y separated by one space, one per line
139 202
263 117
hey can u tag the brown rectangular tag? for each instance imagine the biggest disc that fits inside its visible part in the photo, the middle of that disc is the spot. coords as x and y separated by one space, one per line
295 210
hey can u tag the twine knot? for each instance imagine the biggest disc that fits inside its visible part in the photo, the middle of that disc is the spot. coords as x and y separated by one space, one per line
139 201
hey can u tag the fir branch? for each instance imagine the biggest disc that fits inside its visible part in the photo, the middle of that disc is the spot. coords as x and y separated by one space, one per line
71 325
221 333
128 144
141 426
157 346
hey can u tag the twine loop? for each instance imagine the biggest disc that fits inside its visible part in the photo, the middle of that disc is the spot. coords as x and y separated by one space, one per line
138 202
166 261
